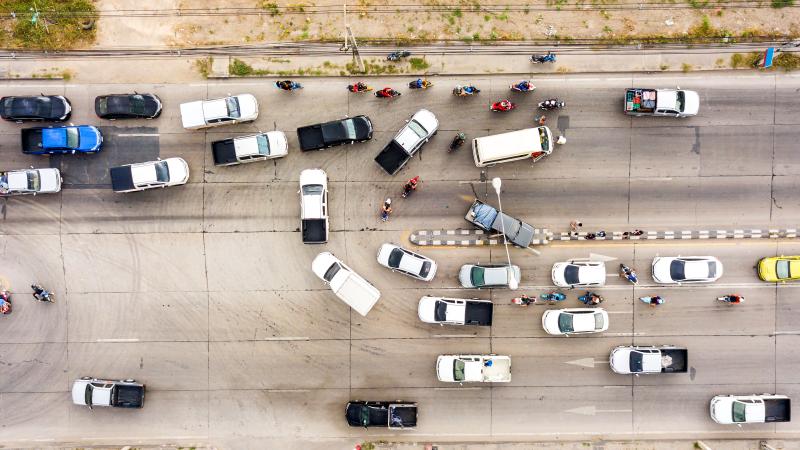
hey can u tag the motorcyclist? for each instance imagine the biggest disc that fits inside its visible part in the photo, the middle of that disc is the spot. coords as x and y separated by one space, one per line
458 140
502 105
550 103
386 92
524 86
733 298
627 273
39 293
5 302
419 83
655 301
286 85
468 90
360 87
411 185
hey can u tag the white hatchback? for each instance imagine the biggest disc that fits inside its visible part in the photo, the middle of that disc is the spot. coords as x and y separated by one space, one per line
686 269
406 262
575 321
579 272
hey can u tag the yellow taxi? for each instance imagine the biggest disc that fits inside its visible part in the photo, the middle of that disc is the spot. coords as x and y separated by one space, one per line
779 268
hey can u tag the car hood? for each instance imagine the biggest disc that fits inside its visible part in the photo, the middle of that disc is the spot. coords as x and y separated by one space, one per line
363 127
427 308
427 119
691 103
722 409
557 274
313 176
661 273
50 180
248 107
550 321
384 252
620 360
178 170
79 392
444 367
278 144
322 263
464 275
90 138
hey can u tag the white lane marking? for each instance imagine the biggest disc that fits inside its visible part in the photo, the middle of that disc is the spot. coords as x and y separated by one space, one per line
458 389
592 410
599 257
137 134
586 362
787 332
118 340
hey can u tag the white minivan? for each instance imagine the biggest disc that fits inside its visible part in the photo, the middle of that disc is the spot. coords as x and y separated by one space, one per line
535 143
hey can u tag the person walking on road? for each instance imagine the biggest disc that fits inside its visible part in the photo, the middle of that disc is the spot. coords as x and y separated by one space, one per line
573 227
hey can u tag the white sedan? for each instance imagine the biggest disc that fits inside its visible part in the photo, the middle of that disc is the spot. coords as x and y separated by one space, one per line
489 276
575 321
686 269
406 262
579 272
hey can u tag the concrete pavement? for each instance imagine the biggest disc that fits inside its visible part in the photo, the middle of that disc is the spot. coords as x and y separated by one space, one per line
204 291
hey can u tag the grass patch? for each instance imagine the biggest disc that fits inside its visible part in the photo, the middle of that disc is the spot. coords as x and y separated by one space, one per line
270 7
664 67
686 67
418 63
203 66
239 68
697 4
746 60
60 24
787 61
781 3
457 12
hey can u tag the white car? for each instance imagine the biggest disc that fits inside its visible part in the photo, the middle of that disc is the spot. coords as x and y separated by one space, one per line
221 111
686 269
149 175
575 321
30 181
245 149
455 311
489 275
406 262
579 272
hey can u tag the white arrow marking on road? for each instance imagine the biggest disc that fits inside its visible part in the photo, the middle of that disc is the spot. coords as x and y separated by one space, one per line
586 362
599 257
592 410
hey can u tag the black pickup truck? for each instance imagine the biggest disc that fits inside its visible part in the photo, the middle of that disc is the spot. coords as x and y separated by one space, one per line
337 132
422 126
394 415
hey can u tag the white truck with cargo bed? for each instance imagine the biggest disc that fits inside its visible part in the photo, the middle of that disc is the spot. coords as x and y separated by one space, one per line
738 409
245 149
199 114
455 311
629 359
314 206
473 368
661 102
350 287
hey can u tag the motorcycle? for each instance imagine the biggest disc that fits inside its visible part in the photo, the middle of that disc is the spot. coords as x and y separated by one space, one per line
502 106
419 83
5 302
42 295
653 301
523 86
395 56
288 85
387 93
463 91
410 186
550 57
731 299
523 300
628 274
591 299
553 297
457 142
551 104
358 87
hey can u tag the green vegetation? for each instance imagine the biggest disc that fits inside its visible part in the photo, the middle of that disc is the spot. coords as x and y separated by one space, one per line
664 67
697 4
686 67
787 61
781 3
746 60
418 63
47 24
270 7
203 66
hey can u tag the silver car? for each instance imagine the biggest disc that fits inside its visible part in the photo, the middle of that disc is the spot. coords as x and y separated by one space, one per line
489 276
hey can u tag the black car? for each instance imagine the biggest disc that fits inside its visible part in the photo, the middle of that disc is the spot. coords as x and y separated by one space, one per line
127 106
395 415
338 132
54 108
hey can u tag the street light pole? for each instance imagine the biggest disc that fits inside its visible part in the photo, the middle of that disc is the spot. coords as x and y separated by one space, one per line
497 183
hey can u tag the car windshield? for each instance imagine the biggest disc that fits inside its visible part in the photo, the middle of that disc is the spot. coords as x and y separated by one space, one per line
476 276
712 269
364 416
458 370
565 323
312 189
162 171
680 101
73 139
349 128
331 272
137 104
599 321
394 258
8 104
782 269
426 268
34 183
544 140
102 105
263 145
739 409
233 107
636 361
676 270
417 129
571 274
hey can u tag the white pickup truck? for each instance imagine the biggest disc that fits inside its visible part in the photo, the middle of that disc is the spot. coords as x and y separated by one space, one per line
88 391
149 175
314 206
30 181
345 283
738 409
221 111
628 359
661 102
473 368
245 149
455 311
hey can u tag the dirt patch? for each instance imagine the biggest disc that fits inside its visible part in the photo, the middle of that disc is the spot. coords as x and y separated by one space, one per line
207 22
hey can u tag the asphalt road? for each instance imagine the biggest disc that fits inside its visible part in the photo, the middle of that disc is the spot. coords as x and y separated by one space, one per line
205 292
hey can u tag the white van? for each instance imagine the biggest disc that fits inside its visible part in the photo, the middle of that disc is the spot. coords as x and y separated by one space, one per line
535 143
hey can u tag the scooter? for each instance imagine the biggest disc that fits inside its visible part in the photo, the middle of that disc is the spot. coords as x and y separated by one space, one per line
292 86
731 299
42 295
551 104
419 84
387 93
550 57
523 86
523 300
5 302
553 297
502 106
463 91
408 188
457 142
653 301
358 87
591 299
395 56
628 274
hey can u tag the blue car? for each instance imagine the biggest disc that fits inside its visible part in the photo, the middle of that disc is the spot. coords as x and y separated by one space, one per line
61 140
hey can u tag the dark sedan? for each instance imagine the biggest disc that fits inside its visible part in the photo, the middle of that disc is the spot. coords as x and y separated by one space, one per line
338 132
54 108
127 106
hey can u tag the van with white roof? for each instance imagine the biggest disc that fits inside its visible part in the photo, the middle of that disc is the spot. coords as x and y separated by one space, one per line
533 143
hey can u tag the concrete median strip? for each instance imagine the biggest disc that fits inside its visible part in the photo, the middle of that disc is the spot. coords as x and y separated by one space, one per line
466 238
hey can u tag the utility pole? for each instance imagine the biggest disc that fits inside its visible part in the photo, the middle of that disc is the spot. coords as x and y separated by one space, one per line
350 43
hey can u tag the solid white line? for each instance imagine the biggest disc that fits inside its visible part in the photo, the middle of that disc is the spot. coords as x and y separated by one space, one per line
118 340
